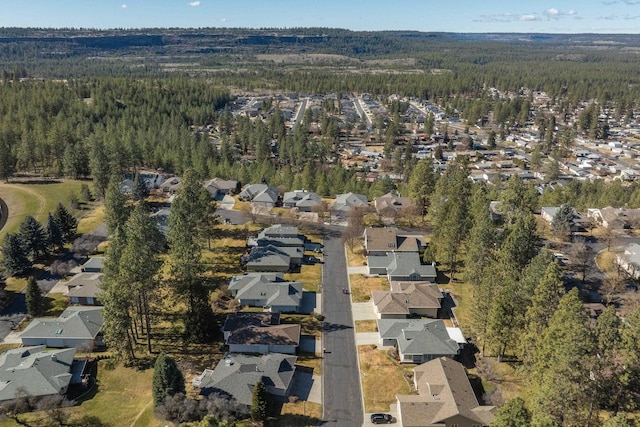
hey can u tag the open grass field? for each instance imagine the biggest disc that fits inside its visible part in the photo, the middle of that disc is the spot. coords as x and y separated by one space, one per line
299 414
362 286
91 220
36 199
382 378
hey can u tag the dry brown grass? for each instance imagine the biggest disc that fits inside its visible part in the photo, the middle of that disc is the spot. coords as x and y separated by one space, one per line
310 361
91 220
607 261
366 326
382 378
310 276
355 257
299 414
362 286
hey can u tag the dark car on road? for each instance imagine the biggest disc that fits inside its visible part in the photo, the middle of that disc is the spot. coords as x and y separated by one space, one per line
381 418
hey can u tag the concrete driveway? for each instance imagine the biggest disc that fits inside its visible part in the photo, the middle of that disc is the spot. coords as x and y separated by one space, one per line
363 311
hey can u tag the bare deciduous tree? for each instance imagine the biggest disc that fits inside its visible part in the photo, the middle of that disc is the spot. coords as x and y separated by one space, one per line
583 262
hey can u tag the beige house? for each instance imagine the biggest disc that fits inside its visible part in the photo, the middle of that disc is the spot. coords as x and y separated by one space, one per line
445 398
408 299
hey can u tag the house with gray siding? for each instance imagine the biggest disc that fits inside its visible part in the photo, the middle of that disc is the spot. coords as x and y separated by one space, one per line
260 333
267 290
38 372
77 326
420 340
236 375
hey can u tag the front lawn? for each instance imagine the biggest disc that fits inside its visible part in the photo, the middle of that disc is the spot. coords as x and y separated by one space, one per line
310 276
366 326
362 286
382 378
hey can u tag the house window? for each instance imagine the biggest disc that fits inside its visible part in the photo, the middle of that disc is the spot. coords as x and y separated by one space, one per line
89 300
74 300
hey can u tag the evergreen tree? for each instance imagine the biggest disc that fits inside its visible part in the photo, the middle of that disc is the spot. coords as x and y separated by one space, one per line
140 191
630 355
544 302
561 384
517 199
35 300
514 413
562 222
259 402
620 420
33 238
140 262
189 212
422 184
116 211
482 237
520 245
67 223
14 260
100 167
450 212
117 299
167 379
54 233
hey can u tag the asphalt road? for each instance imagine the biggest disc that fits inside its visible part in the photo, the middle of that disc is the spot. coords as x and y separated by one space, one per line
342 397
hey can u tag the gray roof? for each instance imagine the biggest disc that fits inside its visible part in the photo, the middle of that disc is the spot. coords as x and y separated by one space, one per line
268 256
405 264
75 322
84 279
284 294
301 198
237 374
279 230
95 263
89 290
259 193
419 336
347 201
249 279
35 371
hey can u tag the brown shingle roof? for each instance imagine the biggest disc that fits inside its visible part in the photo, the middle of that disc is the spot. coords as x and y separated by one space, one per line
405 296
269 335
444 392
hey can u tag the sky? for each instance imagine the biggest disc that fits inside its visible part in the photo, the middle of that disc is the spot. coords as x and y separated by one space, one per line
469 16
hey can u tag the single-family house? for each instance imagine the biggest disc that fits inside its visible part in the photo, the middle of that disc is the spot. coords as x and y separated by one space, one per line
348 202
408 299
274 259
392 205
420 340
218 187
236 375
629 260
77 326
171 184
267 290
260 334
38 372
245 319
261 196
614 218
84 289
303 200
548 213
379 241
93 265
278 235
445 398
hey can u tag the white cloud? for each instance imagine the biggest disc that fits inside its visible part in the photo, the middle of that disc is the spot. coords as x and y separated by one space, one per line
124 6
224 20
528 17
194 4
552 12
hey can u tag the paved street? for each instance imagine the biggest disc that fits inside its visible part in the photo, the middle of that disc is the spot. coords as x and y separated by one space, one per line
341 388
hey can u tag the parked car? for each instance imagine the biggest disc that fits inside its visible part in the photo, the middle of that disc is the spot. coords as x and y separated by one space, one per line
381 418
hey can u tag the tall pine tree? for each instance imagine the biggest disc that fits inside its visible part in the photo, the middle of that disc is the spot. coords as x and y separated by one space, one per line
189 212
